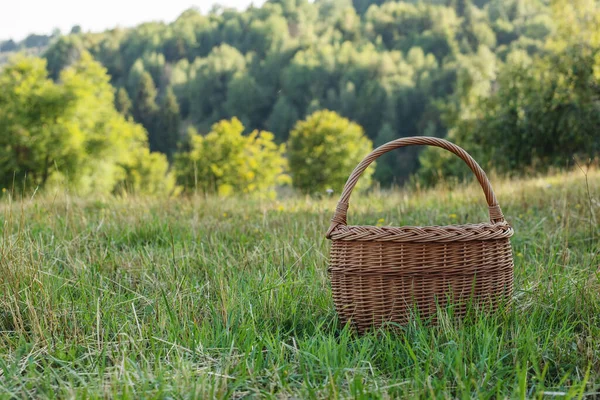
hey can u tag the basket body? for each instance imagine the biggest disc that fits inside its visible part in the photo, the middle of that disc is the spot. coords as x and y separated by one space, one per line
376 282
386 274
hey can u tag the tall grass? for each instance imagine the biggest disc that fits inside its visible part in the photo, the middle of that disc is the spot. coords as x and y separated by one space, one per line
208 298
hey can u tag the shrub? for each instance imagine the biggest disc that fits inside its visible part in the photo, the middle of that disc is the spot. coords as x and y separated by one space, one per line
69 134
323 151
226 162
148 173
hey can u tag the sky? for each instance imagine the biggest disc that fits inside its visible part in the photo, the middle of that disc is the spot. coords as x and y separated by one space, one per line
19 18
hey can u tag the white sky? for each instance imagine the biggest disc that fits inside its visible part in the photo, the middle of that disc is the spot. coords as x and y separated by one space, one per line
19 18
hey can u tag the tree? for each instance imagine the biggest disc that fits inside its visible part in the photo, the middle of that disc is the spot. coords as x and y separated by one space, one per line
245 99
33 142
154 64
69 134
114 146
147 174
123 102
226 163
282 119
33 41
169 121
64 52
213 76
544 110
145 100
9 45
324 149
397 68
362 6
386 171
145 109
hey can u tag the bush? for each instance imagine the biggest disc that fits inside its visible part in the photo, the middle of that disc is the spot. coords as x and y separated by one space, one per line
226 162
69 134
148 173
323 151
543 113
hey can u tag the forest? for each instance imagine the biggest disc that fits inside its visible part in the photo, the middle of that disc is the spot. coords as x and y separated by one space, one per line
169 106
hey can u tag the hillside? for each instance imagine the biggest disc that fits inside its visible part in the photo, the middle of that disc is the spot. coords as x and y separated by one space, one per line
515 83
397 68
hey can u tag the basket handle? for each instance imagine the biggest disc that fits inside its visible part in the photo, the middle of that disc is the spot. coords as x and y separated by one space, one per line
339 218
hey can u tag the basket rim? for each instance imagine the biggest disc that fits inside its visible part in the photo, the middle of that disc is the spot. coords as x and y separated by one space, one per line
423 234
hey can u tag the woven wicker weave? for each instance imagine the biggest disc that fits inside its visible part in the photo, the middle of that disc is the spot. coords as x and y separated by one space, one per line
385 274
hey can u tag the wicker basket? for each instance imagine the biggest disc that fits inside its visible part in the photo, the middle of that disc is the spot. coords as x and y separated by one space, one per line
385 274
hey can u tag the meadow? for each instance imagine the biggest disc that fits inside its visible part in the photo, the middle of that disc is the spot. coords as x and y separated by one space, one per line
209 298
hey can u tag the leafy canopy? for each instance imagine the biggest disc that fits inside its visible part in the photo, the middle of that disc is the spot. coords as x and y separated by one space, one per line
226 162
70 132
544 109
324 149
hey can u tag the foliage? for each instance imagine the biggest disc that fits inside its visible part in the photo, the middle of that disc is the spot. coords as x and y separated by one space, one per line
147 174
68 132
169 122
123 102
391 66
33 142
31 42
324 149
544 110
397 68
226 162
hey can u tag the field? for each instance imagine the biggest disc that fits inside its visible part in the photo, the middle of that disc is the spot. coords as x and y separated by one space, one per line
207 298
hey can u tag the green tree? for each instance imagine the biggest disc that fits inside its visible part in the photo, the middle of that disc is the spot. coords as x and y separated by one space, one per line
544 110
386 166
213 76
226 162
113 145
123 102
395 67
33 41
64 52
154 64
69 133
245 99
169 122
324 149
282 119
145 100
362 6
33 141
9 45
145 109
147 173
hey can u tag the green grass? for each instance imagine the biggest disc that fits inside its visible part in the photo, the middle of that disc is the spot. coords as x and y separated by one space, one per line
195 298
